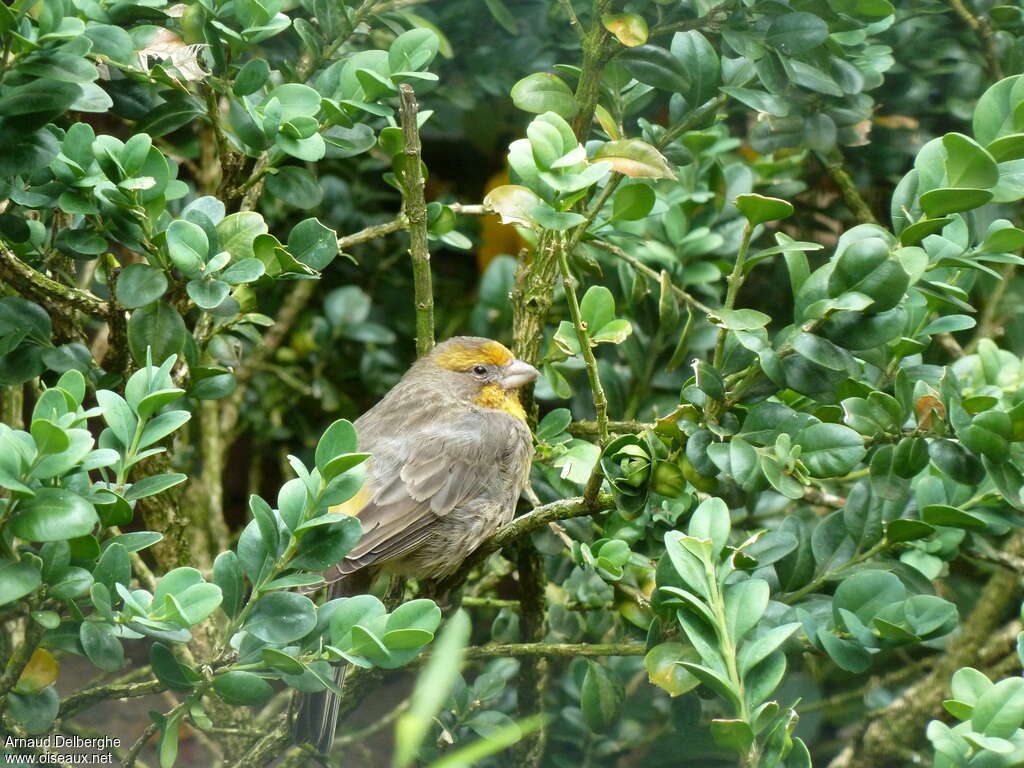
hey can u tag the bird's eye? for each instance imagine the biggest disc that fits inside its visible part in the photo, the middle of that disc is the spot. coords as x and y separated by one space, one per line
479 370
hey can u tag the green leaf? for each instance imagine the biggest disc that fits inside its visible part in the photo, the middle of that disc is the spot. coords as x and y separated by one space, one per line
939 202
167 748
633 202
601 697
823 352
337 439
630 29
513 203
943 514
53 514
544 92
187 246
17 580
251 77
968 685
328 545
949 324
242 688
157 327
49 438
830 450
35 712
227 574
101 645
296 100
657 67
907 530
711 521
866 266
419 614
664 671
999 711
635 158
154 484
759 209
237 233
597 307
994 114
739 319
795 33
281 617
140 284
503 16
700 60
295 186
313 244
557 221
207 294
169 671
732 734
968 164
197 602
758 649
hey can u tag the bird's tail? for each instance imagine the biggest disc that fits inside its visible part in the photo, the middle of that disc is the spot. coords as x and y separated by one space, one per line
317 716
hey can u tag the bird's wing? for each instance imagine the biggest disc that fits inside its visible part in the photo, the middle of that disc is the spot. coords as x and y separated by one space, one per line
416 480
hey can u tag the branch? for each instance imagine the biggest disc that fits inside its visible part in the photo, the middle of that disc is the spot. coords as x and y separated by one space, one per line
76 702
979 25
136 748
292 307
533 673
22 655
531 301
45 290
905 714
990 324
835 165
711 21
555 650
590 429
527 524
468 210
266 749
639 266
416 212
372 233
598 48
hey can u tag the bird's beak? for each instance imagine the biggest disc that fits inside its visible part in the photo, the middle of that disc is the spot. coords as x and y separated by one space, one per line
518 374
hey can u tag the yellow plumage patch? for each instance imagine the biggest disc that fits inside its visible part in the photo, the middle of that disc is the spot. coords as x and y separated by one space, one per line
462 357
493 396
353 506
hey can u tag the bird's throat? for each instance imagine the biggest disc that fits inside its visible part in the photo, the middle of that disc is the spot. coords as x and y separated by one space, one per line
493 396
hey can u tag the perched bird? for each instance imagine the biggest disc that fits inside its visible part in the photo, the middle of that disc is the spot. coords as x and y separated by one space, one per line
450 455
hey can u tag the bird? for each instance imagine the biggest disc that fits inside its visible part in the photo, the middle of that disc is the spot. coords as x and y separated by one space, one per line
450 454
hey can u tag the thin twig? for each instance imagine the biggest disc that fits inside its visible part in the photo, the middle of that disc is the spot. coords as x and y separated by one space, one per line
468 210
639 266
524 525
136 748
589 428
990 323
555 650
416 213
79 700
583 336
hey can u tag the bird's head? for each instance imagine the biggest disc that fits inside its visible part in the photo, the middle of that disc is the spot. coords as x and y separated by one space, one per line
481 371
